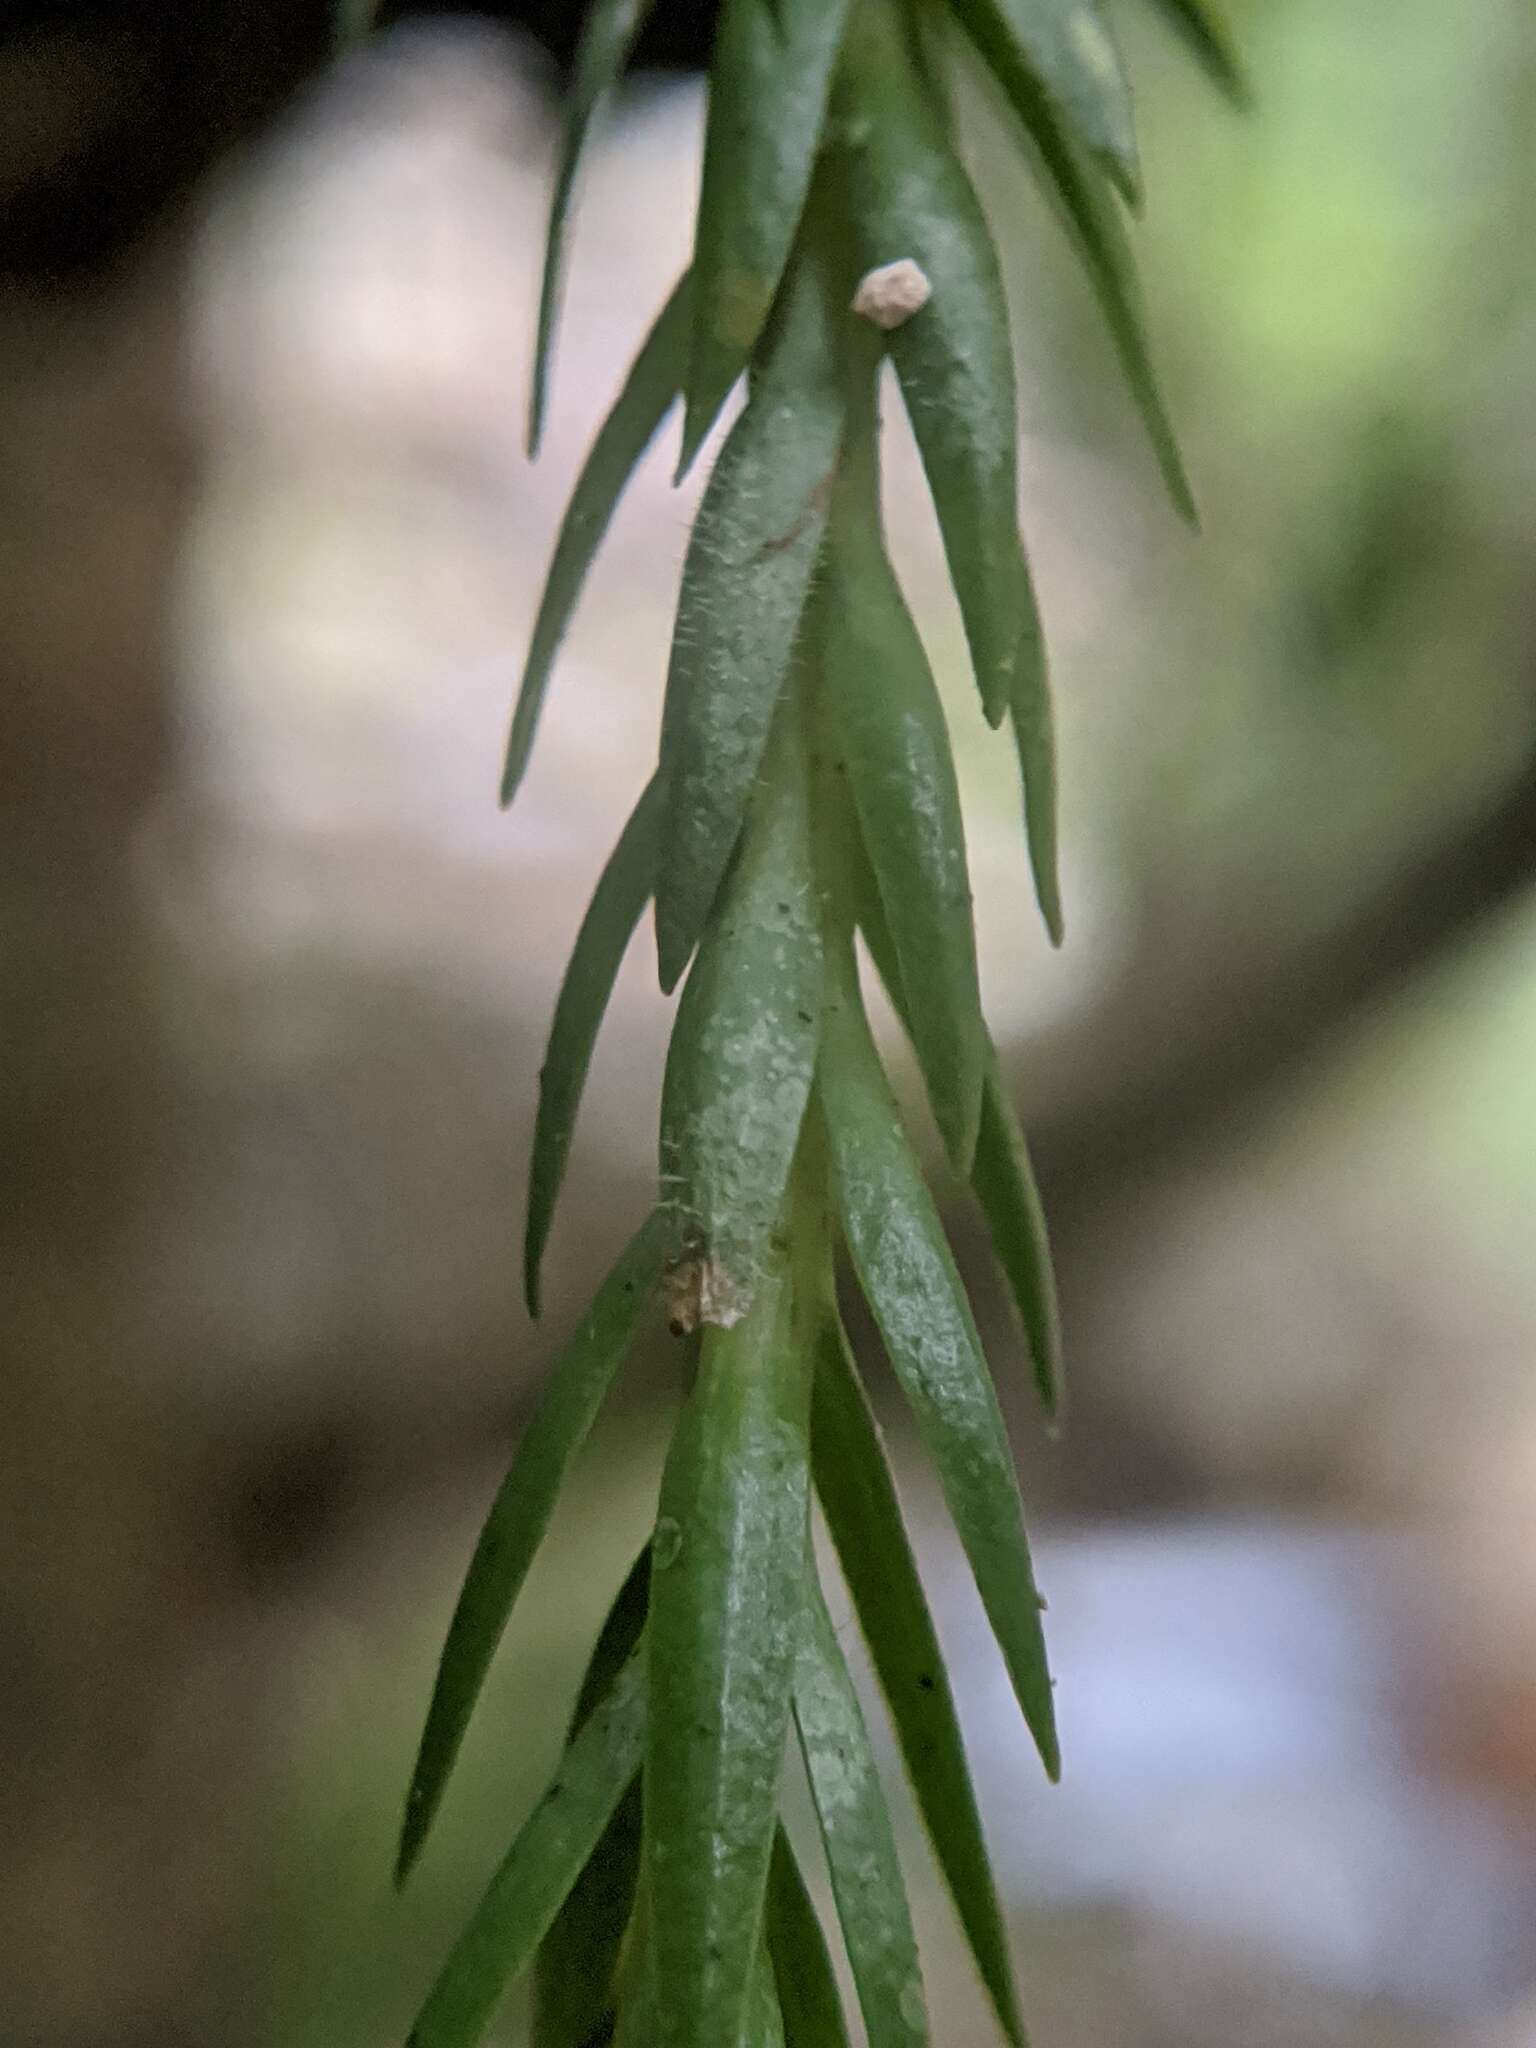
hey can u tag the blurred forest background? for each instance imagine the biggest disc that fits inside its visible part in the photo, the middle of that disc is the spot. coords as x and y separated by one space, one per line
277 974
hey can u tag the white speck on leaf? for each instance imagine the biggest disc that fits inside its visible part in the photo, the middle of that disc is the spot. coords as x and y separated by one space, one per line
891 294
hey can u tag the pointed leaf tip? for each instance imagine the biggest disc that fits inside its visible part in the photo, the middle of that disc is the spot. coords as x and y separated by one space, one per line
618 902
608 35
519 1517
636 417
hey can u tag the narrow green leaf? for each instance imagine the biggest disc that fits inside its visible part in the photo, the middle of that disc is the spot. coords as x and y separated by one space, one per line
727 1582
609 32
1001 1176
1087 210
856 1829
1004 1182
765 2022
908 1276
574 1977
1034 733
1203 27
631 426
520 1515
748 568
744 1051
768 87
911 200
1066 50
893 741
858 1496
539 1869
623 890
809 2001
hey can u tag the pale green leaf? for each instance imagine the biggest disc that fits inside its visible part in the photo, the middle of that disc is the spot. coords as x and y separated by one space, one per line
908 1276
631 426
540 1868
856 1830
768 87
520 1515
911 200
1066 51
858 1497
727 1580
893 743
623 890
748 568
609 31
744 1049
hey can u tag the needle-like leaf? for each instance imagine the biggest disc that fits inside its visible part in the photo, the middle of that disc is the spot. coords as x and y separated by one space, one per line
745 580
1066 50
520 1515
1004 1183
768 90
540 1868
910 199
856 1829
858 1497
623 890
727 1580
908 1277
1087 210
765 2022
1001 1176
1203 27
809 2001
631 426
893 744
1034 733
577 1963
609 32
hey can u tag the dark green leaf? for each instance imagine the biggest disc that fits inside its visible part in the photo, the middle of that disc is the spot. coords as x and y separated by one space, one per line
577 1963
744 1051
891 736
638 411
519 1516
1034 732
623 890
911 199
1201 24
768 86
1004 1183
728 1563
748 568
909 1279
539 1869
765 2023
808 1996
1001 1175
609 31
856 1829
1087 209
863 1514
1067 50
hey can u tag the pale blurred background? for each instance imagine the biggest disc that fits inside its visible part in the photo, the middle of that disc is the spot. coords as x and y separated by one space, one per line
278 974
